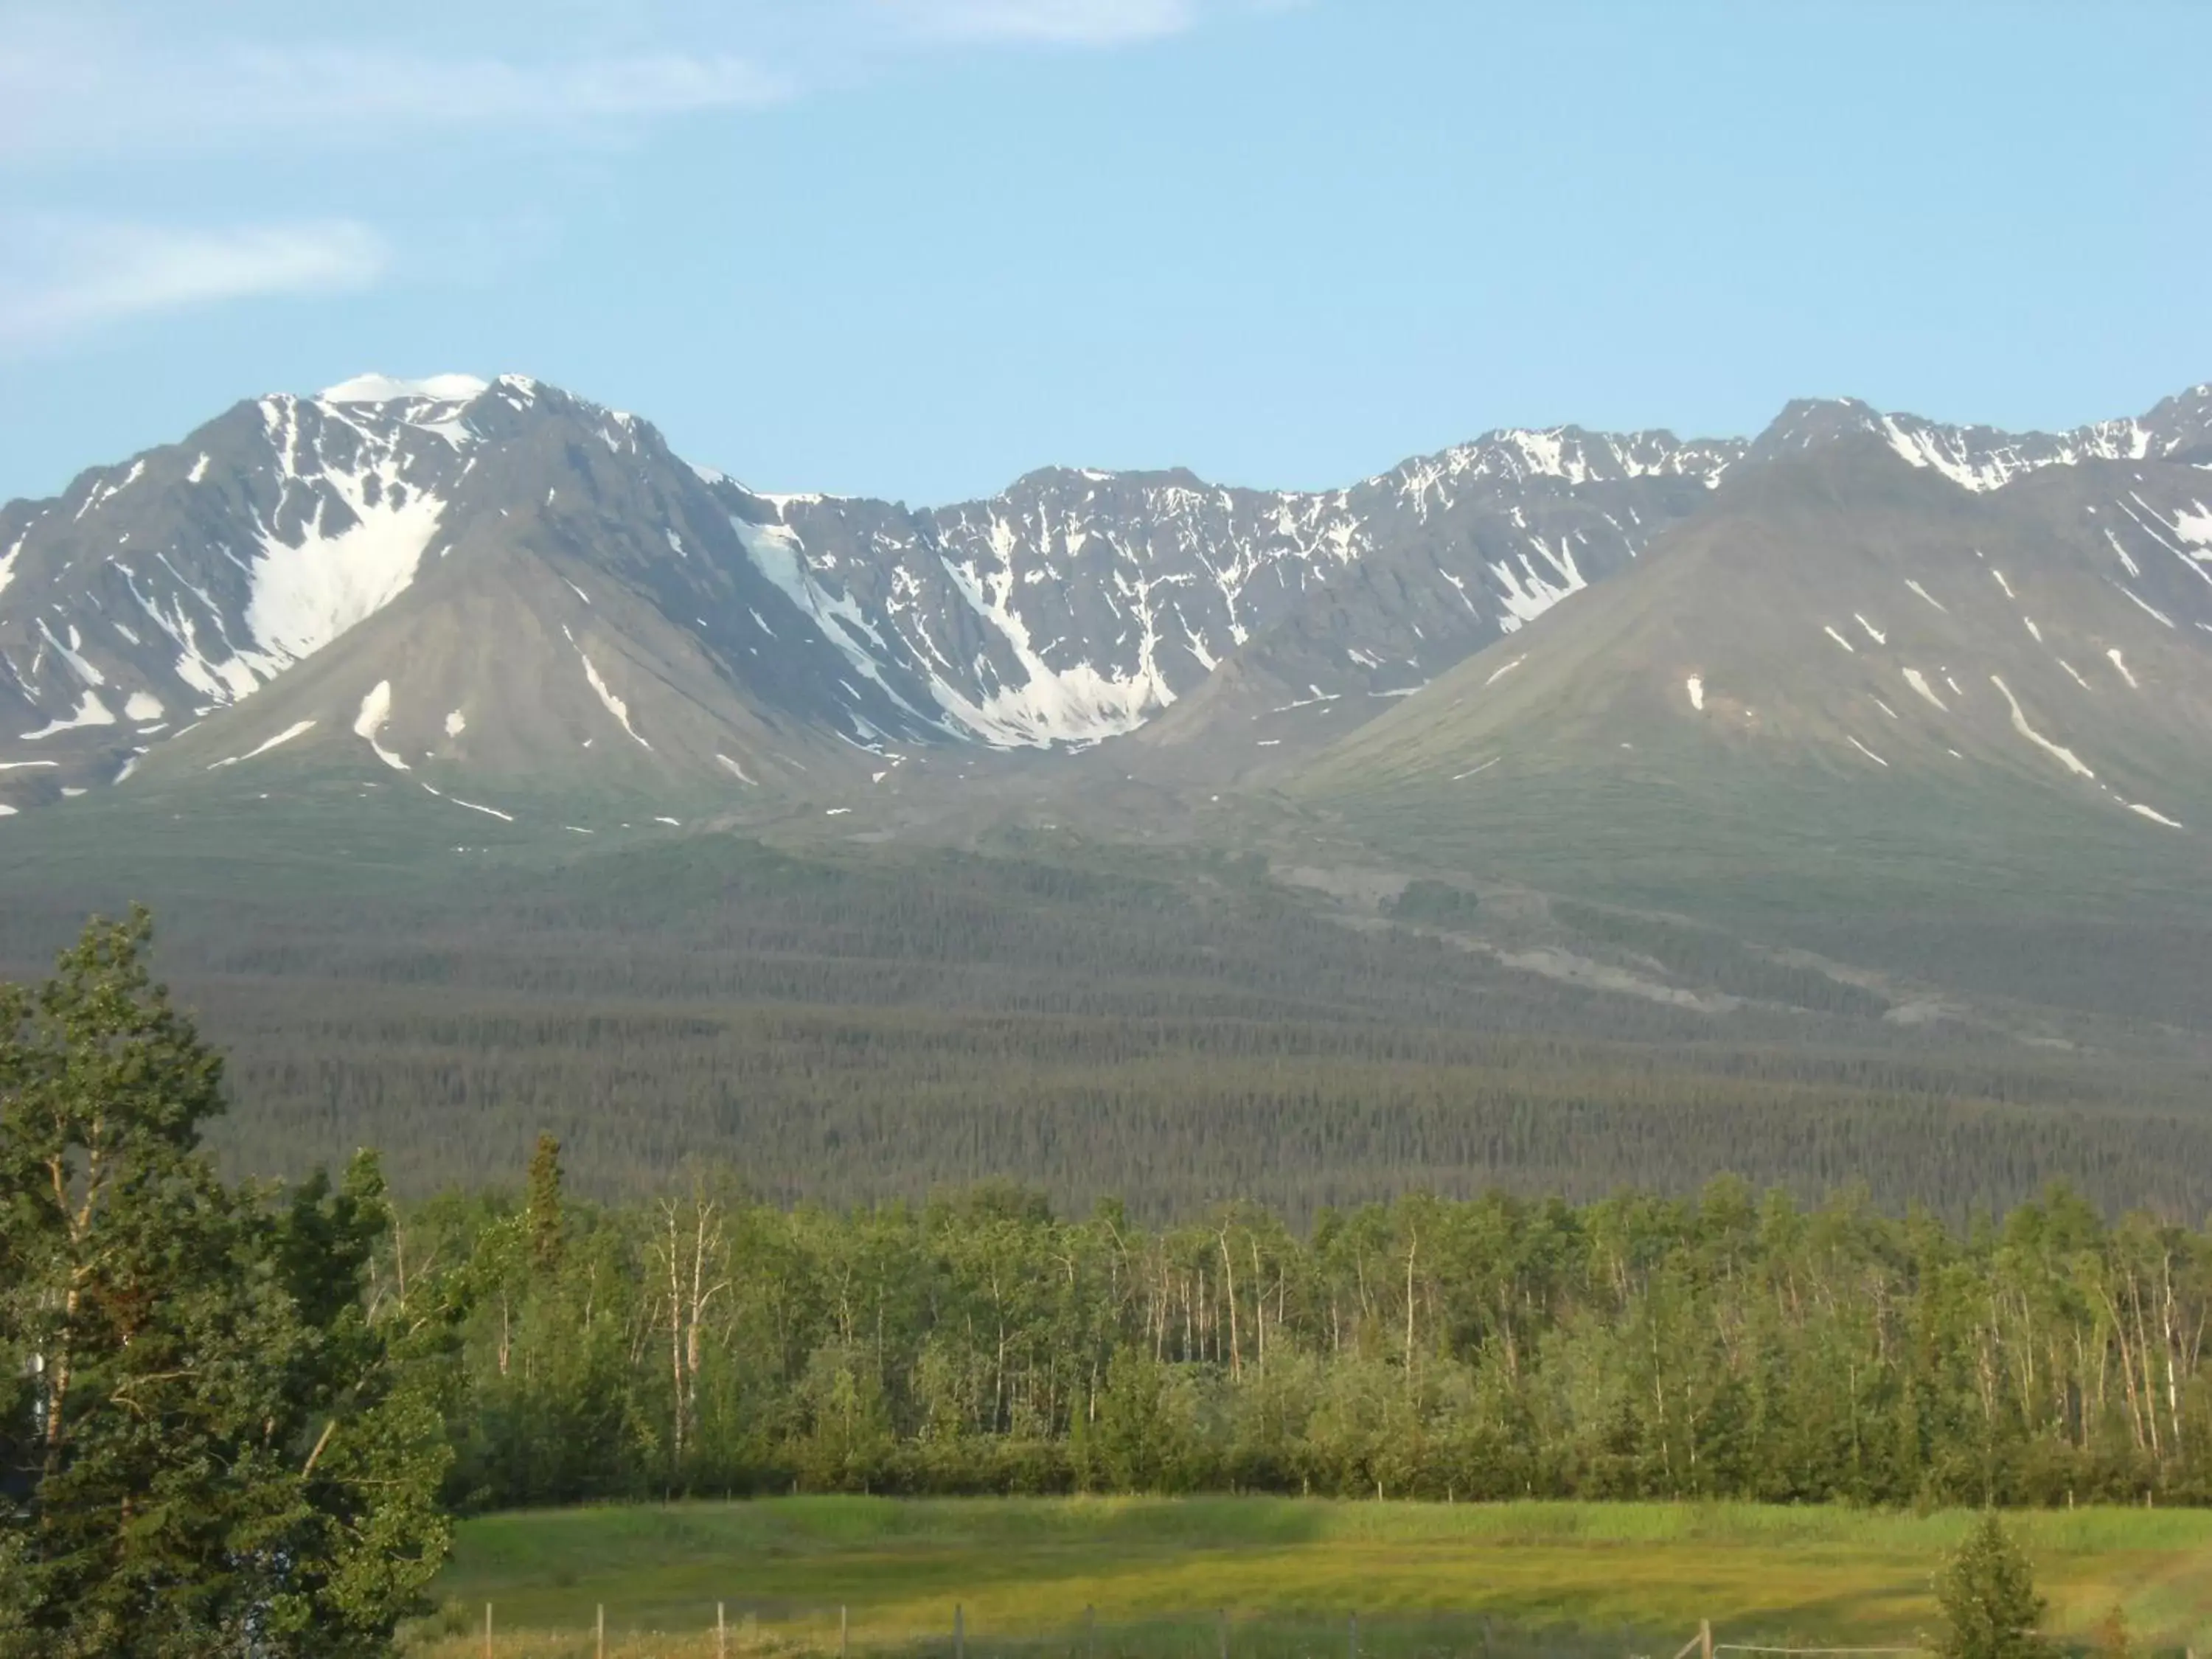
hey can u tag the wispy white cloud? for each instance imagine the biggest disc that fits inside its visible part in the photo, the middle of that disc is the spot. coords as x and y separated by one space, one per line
97 91
73 99
71 277
1057 22
89 79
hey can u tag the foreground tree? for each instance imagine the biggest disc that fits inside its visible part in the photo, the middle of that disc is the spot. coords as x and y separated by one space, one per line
207 1446
1987 1592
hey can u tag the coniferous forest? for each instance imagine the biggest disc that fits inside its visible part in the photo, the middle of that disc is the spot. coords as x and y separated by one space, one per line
1174 1032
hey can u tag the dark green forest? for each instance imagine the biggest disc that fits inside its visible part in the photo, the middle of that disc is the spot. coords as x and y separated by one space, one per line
1175 1028
1727 1346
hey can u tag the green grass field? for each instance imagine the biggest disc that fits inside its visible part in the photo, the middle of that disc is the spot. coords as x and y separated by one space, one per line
1583 1579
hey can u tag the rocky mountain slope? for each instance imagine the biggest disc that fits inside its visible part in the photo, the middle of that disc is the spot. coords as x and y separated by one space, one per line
1850 687
471 587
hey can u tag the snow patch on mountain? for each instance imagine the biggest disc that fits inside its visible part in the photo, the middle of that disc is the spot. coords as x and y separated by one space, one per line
277 742
777 554
90 711
383 389
488 811
2149 610
304 595
2065 756
2153 814
70 654
615 705
375 714
1074 705
1918 682
1528 594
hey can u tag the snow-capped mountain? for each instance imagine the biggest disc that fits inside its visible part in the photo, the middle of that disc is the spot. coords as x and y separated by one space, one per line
1843 626
508 576
467 580
335 542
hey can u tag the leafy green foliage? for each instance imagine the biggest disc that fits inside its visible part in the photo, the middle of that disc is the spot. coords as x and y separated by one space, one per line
208 1445
1987 1593
1730 1346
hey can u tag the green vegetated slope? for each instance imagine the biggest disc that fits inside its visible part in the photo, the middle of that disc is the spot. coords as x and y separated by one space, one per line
1288 1571
849 1021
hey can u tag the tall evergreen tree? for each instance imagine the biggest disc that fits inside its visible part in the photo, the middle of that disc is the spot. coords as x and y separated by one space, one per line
207 1446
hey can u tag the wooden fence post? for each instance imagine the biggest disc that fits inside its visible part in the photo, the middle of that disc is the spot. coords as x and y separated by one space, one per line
844 1631
599 1633
1705 1638
721 1630
486 1629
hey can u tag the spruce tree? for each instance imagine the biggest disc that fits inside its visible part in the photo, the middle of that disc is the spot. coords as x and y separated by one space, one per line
1987 1592
207 1447
542 1204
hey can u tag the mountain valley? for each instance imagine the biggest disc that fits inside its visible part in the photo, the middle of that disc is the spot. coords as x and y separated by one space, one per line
1477 819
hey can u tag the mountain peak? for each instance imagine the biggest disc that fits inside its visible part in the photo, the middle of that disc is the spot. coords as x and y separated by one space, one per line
384 389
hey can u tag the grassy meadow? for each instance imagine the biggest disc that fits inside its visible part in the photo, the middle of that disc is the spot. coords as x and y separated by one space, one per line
1281 1577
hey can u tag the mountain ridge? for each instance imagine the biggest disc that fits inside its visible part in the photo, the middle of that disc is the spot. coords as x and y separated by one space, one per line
777 632
1848 688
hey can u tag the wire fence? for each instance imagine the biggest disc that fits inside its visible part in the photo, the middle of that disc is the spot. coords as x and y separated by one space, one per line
734 1631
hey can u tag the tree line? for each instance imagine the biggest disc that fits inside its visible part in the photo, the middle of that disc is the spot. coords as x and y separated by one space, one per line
1727 1345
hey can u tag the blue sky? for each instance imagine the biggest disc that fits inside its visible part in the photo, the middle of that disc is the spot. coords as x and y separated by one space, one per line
915 247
